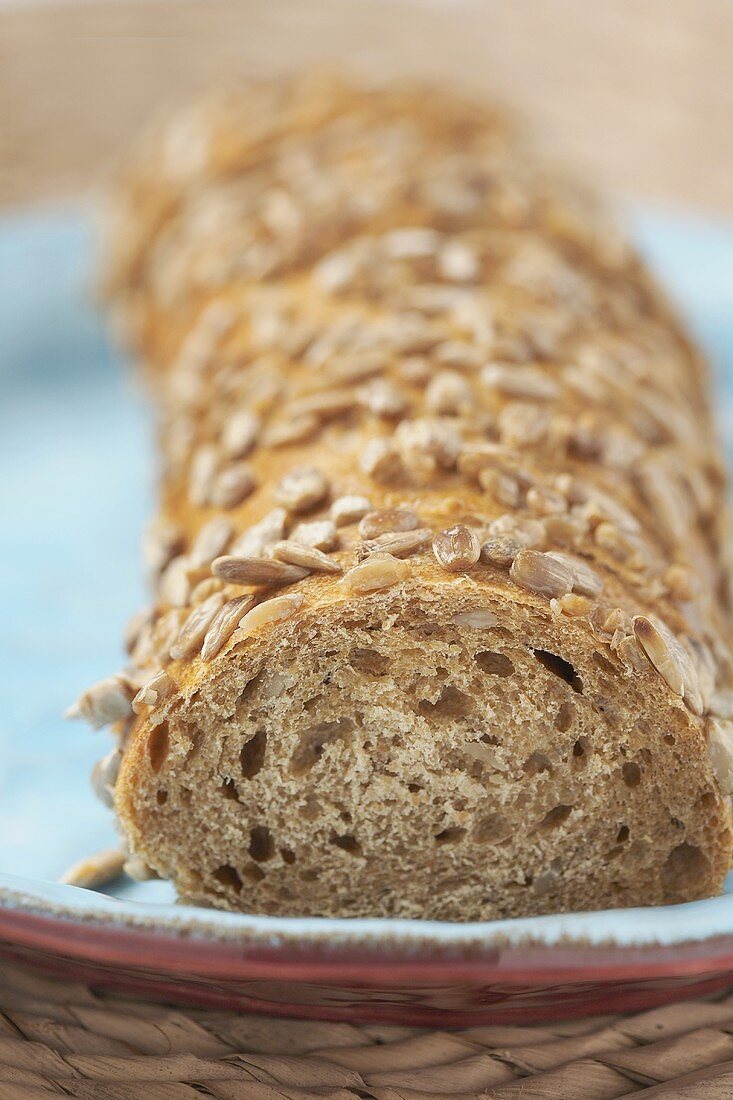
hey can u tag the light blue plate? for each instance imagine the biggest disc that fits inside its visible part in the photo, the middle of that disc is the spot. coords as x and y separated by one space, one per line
76 487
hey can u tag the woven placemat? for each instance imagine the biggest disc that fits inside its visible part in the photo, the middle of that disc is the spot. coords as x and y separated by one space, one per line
59 1038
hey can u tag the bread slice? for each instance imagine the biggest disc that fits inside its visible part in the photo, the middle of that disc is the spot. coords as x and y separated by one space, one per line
441 621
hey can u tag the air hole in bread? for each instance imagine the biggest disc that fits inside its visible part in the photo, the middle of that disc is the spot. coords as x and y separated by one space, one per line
413 788
492 828
287 855
535 763
347 843
228 877
369 661
452 835
309 875
497 664
623 834
685 866
451 703
253 873
252 756
261 847
229 790
603 663
580 748
632 774
669 739
158 746
555 817
161 797
559 667
565 717
314 740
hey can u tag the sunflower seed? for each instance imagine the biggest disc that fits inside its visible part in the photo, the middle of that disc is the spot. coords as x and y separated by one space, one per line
201 474
377 572
253 542
501 550
154 691
301 489
104 703
195 627
379 459
457 548
720 751
400 544
294 553
96 870
387 520
538 572
320 534
174 586
529 383
240 433
349 509
295 430
271 611
104 776
448 394
224 624
586 581
260 572
232 485
475 620
669 658
211 541
381 398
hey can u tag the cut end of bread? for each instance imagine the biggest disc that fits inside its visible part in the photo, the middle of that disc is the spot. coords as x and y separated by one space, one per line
430 752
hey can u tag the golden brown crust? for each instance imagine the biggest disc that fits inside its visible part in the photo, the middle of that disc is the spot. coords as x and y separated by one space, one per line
413 389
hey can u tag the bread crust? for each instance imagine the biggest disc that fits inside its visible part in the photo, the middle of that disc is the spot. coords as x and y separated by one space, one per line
441 601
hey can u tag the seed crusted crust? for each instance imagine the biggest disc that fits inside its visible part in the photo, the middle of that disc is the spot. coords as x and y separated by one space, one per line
441 614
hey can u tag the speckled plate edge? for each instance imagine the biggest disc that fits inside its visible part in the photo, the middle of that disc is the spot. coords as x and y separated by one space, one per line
625 929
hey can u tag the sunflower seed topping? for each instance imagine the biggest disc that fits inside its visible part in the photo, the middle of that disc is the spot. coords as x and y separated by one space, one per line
224 624
377 572
315 561
195 627
271 611
104 703
457 548
154 691
258 572
301 490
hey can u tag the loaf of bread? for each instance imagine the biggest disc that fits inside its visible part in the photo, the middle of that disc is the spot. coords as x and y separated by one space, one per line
441 624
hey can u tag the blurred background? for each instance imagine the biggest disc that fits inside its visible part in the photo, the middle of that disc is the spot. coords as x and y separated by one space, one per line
635 94
639 92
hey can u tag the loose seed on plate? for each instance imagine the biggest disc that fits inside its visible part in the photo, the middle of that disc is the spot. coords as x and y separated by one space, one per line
96 870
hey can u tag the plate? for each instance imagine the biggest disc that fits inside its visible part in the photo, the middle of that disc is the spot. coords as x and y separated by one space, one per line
79 445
